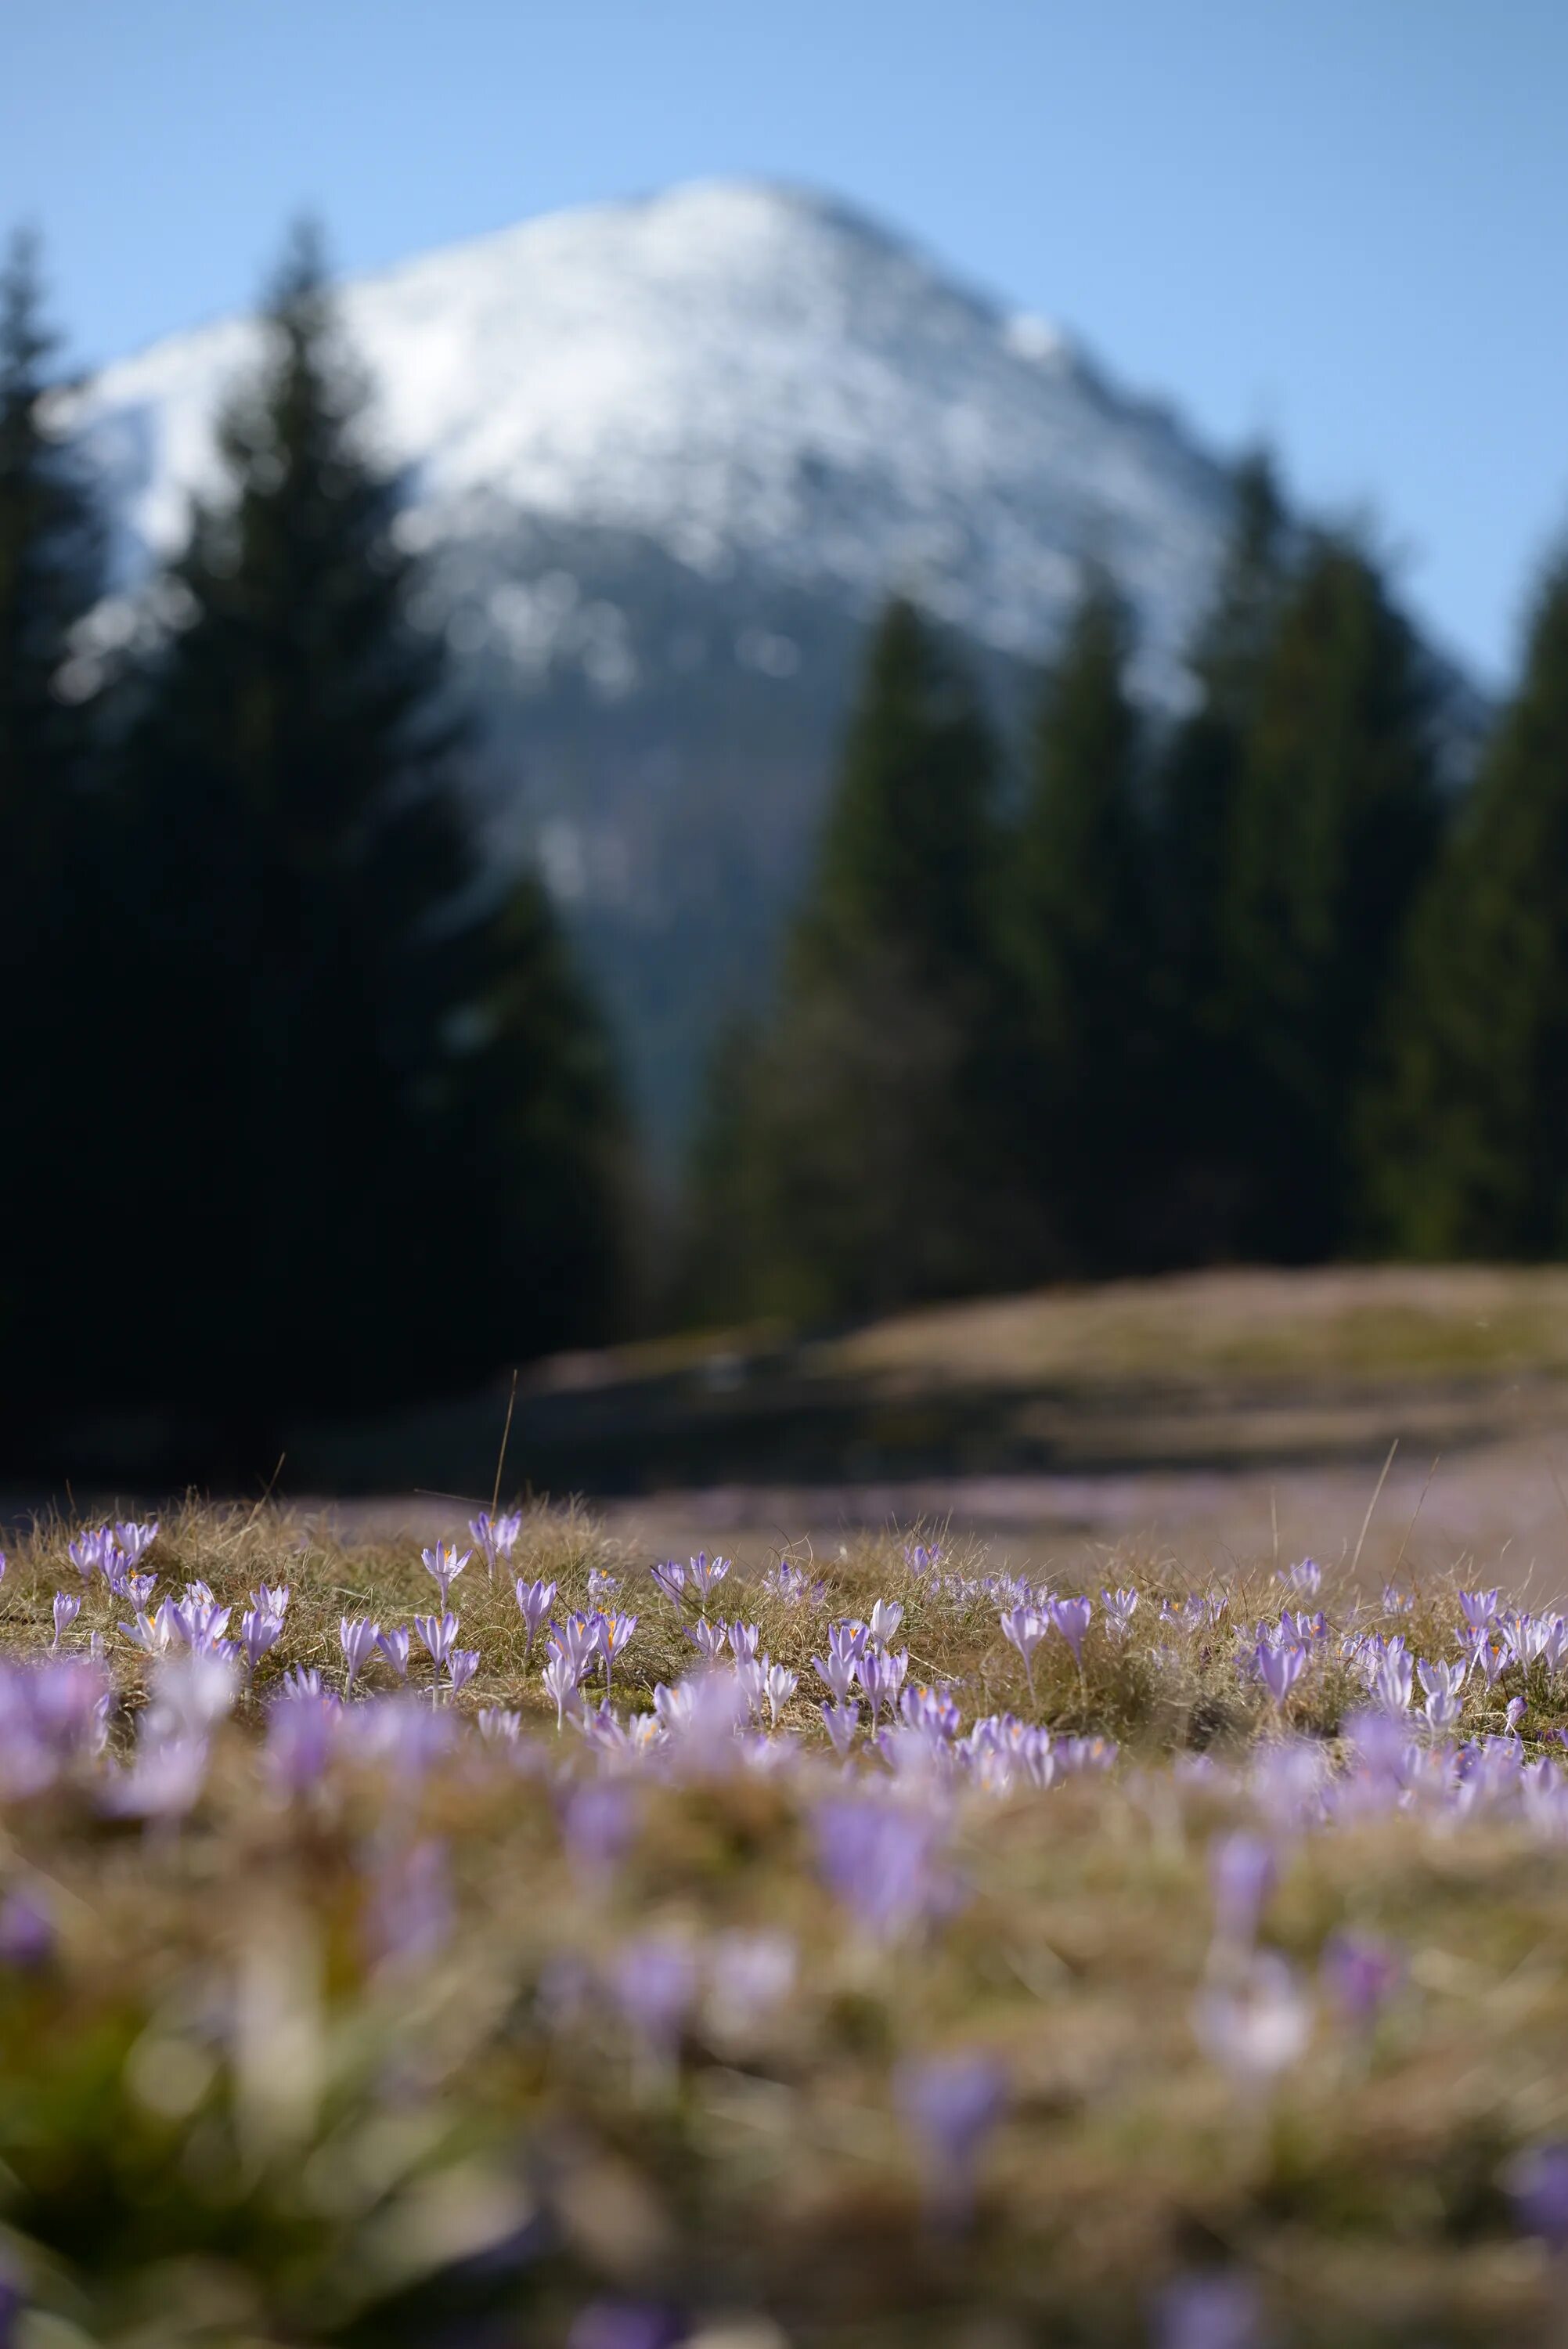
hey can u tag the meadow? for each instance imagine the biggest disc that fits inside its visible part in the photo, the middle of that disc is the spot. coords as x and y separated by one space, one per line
549 1948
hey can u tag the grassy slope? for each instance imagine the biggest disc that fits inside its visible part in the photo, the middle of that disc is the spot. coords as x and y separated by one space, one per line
1217 1368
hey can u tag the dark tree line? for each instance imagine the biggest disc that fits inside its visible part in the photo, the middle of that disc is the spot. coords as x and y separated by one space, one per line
1255 986
305 1110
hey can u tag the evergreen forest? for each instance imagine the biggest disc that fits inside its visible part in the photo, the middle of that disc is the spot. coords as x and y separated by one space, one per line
309 1109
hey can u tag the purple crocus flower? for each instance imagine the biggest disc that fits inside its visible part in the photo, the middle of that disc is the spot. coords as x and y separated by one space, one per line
876 1855
1216 2311
462 1663
410 1909
1305 1578
577 1640
1243 1870
708 1640
1071 1618
1025 1629
533 1600
445 1566
839 1721
1279 1666
87 1552
561 1679
671 1577
258 1633
705 1573
394 1646
136 1539
498 1726
1537 2183
1392 1683
614 1632
597 1824
952 2103
1360 1975
269 1601
751 1677
886 1617
624 2324
436 1633
654 1982
1480 1608
496 1537
68 1607
781 1686
1119 1606
839 1672
873 1685
153 1634
743 1639
357 1637
1492 1654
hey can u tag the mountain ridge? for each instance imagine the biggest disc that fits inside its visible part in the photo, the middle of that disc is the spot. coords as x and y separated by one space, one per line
666 456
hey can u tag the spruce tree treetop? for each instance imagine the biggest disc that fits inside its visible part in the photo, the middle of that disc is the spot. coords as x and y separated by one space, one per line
1079 849
1335 819
396 1106
52 961
1085 942
908 854
1466 1131
50 570
1234 632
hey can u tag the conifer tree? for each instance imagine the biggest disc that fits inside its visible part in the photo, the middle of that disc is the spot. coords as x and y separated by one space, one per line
1466 1130
1086 942
385 1112
908 853
50 576
1198 1118
868 1139
1335 818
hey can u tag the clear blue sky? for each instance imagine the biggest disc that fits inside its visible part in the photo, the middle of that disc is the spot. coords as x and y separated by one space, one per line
1341 223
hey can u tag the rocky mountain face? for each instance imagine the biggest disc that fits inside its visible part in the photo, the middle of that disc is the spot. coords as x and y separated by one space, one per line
665 458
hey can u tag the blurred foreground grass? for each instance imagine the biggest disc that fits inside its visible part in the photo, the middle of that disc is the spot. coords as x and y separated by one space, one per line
415 2021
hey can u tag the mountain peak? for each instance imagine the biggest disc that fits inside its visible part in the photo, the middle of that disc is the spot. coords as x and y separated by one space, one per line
742 371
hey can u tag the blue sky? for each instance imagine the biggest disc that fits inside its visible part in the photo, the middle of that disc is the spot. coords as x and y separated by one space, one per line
1338 223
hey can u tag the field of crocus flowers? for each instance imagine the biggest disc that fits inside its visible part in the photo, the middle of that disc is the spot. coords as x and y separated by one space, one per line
534 1943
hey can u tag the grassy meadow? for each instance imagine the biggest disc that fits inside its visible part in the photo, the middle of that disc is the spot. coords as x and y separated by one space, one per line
1182 1969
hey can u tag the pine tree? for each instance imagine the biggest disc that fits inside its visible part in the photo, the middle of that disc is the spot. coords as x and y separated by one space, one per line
1335 818
1466 1130
910 850
385 1112
1198 1115
1086 942
50 576
867 1144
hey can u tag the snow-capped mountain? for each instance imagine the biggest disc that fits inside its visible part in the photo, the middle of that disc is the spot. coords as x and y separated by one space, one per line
666 458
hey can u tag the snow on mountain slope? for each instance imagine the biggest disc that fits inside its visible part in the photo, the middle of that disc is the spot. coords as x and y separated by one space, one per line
665 458
743 375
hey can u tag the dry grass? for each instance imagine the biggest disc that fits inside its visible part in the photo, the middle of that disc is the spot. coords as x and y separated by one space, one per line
228 2116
